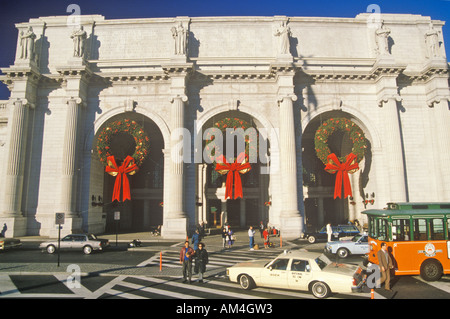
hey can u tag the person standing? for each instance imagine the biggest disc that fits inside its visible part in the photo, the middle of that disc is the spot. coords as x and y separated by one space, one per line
385 263
251 236
186 255
201 260
329 231
196 239
266 238
261 229
230 237
224 237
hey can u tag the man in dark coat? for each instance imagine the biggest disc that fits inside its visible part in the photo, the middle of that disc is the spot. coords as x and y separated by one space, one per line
201 260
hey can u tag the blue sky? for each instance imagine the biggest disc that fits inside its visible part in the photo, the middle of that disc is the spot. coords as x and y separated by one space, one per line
14 11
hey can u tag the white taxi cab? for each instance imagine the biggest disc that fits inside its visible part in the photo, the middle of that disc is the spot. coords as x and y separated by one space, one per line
299 270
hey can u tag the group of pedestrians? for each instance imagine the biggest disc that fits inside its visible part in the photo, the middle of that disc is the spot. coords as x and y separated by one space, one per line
189 254
228 237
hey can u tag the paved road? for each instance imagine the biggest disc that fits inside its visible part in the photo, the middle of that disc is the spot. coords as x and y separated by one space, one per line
136 274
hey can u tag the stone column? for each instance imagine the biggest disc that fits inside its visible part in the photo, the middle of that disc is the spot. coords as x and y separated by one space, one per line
15 160
68 173
442 153
176 161
388 97
393 150
290 218
176 221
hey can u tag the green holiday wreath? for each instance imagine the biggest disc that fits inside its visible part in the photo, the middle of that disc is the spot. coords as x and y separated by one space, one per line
339 124
123 126
231 123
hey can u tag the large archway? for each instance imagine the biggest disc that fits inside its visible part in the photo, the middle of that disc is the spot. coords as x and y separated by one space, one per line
212 207
318 185
145 209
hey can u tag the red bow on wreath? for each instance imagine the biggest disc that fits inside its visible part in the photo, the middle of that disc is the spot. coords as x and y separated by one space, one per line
233 171
128 167
342 170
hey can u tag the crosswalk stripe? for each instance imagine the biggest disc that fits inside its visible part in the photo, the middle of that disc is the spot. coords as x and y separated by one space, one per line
122 294
156 290
267 290
7 287
436 284
202 289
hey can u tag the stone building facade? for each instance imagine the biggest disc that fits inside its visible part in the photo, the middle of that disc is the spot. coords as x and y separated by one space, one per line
285 76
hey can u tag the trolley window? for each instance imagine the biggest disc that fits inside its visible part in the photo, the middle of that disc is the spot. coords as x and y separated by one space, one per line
378 228
400 230
420 229
437 229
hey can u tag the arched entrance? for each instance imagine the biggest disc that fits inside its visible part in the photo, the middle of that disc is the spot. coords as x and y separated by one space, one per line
318 185
212 207
145 209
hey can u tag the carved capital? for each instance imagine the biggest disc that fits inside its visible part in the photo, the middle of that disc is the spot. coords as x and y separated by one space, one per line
77 101
281 98
182 97
386 99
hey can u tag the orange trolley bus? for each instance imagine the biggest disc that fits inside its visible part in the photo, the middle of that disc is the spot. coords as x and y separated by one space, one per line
417 236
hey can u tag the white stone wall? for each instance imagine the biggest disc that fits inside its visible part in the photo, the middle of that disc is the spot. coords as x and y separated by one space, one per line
333 68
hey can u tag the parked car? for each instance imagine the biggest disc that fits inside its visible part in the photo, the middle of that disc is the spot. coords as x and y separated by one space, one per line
8 243
299 270
85 242
339 231
358 245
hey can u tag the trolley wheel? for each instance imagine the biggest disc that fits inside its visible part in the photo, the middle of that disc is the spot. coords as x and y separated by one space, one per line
431 270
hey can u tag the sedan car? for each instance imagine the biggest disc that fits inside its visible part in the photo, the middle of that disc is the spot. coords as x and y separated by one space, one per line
8 243
299 270
85 242
339 231
358 245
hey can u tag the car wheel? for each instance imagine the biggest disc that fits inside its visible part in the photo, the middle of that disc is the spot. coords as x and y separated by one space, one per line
431 270
320 290
87 250
343 252
246 282
311 239
51 249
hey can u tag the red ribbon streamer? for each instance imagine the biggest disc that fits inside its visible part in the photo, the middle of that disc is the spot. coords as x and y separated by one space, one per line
342 170
233 171
128 167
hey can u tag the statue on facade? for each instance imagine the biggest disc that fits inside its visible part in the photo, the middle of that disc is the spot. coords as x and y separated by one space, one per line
283 32
382 39
27 44
179 33
432 42
79 38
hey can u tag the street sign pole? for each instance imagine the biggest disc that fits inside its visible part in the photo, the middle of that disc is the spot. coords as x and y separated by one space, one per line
117 218
59 242
59 220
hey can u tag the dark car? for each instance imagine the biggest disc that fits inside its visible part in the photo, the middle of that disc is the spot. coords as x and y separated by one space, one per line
8 243
338 232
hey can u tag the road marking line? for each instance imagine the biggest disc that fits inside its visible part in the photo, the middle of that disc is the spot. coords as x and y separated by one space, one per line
158 291
199 288
7 287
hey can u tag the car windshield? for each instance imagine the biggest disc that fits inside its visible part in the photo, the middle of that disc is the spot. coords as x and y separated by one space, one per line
92 237
322 261
356 238
348 228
